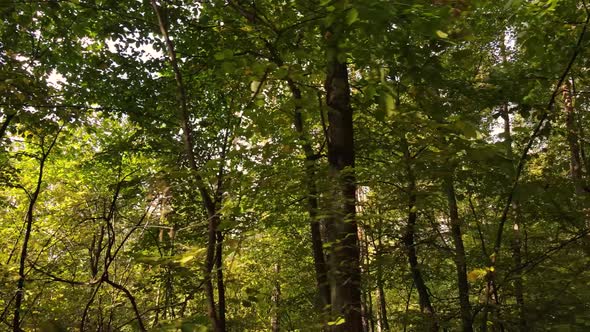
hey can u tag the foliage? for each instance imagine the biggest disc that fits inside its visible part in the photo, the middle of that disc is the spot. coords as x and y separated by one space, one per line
94 156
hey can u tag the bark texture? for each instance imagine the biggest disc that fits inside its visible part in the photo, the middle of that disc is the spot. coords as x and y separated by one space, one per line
275 323
29 219
345 276
312 198
572 140
410 245
516 236
383 322
460 258
216 315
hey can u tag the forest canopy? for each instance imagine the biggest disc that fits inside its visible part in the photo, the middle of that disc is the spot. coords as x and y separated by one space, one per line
294 165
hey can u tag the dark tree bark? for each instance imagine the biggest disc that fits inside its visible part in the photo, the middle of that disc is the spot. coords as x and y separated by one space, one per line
460 258
572 140
217 321
319 259
383 322
410 245
345 277
131 300
220 280
581 135
29 219
5 124
516 236
275 323
366 298
530 142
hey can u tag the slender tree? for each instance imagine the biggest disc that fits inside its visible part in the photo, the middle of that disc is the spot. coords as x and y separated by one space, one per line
342 227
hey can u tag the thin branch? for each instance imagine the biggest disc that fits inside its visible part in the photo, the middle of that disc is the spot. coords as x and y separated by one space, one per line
535 134
131 299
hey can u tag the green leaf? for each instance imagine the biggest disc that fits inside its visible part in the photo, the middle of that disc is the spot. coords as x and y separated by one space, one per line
254 85
442 34
219 56
380 114
476 274
228 54
260 102
186 259
338 321
342 57
352 16
228 67
282 72
387 108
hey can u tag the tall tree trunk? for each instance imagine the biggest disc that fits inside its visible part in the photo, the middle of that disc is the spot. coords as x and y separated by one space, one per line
580 132
366 304
518 282
309 180
220 281
210 205
407 309
30 217
157 309
516 236
572 140
319 259
345 276
410 245
5 124
582 192
383 323
460 258
275 323
371 327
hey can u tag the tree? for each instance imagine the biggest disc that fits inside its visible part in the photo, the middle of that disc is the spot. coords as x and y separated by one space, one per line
327 165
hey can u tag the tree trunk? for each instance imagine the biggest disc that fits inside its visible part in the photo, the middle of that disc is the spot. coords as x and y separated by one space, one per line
220 281
309 181
276 302
157 311
30 217
580 132
217 321
460 259
366 301
5 124
319 259
345 277
131 299
572 140
516 237
383 323
410 246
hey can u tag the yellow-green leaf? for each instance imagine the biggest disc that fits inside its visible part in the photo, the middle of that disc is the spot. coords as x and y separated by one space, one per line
352 16
339 321
186 259
254 86
442 34
476 274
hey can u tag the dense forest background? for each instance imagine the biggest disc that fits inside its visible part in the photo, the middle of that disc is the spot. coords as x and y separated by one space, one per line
294 165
